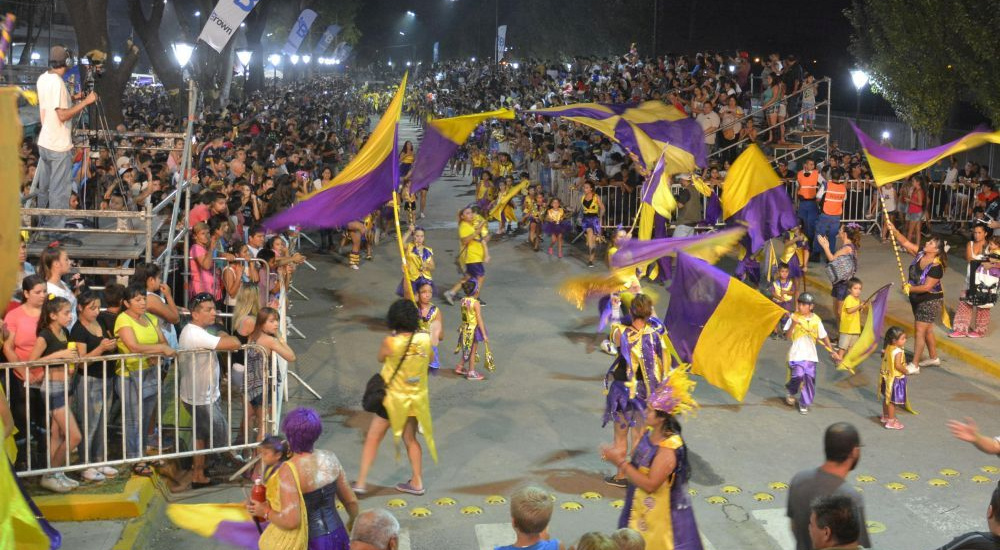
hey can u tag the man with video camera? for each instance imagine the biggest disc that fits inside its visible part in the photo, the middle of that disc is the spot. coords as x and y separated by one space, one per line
53 178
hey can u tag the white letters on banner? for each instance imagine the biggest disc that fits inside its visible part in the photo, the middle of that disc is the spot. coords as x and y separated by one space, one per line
299 32
501 41
225 19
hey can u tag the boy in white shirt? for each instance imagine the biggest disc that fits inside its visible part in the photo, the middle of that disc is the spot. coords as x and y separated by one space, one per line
803 329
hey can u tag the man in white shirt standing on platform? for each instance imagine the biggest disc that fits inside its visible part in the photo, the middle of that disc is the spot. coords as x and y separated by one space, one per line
53 178
710 122
199 387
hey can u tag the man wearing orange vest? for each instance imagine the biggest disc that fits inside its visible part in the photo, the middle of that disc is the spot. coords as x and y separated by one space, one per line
809 180
833 207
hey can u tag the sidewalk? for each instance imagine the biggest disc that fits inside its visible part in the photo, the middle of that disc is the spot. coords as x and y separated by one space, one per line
877 267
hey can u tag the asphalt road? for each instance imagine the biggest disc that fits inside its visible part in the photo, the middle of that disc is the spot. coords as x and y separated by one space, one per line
537 418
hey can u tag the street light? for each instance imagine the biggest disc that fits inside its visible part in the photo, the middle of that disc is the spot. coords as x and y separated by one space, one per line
117 58
275 60
407 63
410 13
295 58
182 52
401 33
35 56
860 80
306 58
244 57
197 14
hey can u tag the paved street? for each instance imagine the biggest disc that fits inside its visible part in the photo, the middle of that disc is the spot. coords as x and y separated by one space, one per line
538 417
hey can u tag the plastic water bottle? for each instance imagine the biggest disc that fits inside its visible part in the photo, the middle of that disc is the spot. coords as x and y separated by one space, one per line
259 492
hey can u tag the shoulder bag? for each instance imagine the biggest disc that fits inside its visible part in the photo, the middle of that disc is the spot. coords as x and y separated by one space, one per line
374 394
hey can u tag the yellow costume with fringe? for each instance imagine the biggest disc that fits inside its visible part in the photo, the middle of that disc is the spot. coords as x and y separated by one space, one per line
406 393
276 538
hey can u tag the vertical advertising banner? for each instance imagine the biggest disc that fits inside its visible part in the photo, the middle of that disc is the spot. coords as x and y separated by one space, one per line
501 41
299 31
328 37
225 19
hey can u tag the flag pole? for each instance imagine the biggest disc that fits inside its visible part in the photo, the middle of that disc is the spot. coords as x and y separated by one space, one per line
899 262
408 287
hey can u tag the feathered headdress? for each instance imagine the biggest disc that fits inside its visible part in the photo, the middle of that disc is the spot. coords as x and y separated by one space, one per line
674 393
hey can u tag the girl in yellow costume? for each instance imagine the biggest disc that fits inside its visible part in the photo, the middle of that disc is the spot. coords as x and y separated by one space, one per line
892 384
472 331
484 191
530 214
404 355
657 504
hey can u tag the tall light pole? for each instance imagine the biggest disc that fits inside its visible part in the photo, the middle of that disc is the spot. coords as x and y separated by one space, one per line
860 80
182 52
275 60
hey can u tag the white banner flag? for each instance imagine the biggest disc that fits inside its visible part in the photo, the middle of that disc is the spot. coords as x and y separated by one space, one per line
501 41
327 39
299 32
224 21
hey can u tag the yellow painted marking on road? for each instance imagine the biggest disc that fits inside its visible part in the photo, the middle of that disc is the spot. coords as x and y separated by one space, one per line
571 506
981 479
912 476
875 527
938 482
777 485
618 504
866 479
693 492
990 469
495 500
420 512
396 503
763 497
445 501
949 472
895 486
732 490
472 511
591 495
717 500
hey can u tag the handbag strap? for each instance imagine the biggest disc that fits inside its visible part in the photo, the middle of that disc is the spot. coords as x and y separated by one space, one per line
401 359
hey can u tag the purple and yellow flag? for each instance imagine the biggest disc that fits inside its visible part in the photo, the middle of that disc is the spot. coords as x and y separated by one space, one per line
442 138
708 247
22 525
229 523
870 339
753 195
362 186
718 324
889 165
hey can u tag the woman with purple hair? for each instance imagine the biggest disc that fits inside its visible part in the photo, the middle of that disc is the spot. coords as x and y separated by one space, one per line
306 485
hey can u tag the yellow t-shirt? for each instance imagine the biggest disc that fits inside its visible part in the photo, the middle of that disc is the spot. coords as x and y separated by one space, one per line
146 335
474 252
850 323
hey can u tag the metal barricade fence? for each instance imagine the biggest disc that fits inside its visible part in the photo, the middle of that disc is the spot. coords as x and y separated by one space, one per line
131 408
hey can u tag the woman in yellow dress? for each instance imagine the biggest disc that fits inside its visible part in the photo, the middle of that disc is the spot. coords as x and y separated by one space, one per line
284 510
657 503
404 355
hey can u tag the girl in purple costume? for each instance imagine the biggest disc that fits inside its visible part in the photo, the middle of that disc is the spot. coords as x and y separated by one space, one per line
592 209
555 225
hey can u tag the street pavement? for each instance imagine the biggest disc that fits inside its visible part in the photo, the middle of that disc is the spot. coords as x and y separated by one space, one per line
537 418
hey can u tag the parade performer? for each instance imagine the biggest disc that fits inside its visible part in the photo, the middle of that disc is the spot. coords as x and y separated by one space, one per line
593 210
657 503
406 158
804 328
478 161
404 356
556 225
419 261
783 292
503 207
360 232
409 202
431 320
530 214
484 191
892 379
796 255
472 258
471 332
636 371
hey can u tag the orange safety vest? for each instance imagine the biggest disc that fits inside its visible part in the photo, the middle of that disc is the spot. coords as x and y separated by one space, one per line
808 185
833 200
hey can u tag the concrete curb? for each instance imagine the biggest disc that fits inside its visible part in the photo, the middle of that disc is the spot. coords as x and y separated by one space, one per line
141 528
944 344
130 503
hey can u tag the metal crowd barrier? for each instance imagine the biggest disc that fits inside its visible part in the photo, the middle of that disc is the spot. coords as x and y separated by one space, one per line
942 203
102 412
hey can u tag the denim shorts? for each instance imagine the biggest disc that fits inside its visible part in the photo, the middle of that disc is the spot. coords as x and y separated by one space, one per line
57 394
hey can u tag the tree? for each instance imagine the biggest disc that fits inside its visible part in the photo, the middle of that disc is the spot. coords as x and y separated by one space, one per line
921 68
90 21
164 65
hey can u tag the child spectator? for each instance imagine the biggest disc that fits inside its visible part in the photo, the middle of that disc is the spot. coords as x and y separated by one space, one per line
892 386
804 328
595 540
850 315
530 512
628 539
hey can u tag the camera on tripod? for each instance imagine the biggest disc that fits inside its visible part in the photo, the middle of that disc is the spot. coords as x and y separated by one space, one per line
94 60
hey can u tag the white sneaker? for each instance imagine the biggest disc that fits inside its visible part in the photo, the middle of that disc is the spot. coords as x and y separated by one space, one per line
354 267
421 215
108 471
608 347
52 483
66 480
932 362
91 474
912 369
